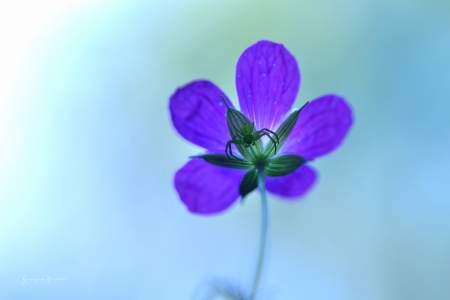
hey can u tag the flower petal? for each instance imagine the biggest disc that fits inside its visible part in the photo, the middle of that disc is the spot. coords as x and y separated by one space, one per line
199 114
267 82
293 185
321 127
207 189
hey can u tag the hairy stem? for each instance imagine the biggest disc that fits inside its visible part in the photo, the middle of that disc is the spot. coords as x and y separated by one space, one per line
263 237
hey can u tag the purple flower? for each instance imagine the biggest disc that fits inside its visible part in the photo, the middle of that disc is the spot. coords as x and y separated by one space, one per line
267 81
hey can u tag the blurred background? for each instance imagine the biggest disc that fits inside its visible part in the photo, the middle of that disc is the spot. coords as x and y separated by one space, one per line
88 151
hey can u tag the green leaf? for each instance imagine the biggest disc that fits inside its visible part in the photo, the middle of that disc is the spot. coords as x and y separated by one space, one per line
236 120
248 183
283 165
223 161
284 131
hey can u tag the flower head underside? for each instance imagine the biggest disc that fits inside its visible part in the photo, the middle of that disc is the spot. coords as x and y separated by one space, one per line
262 135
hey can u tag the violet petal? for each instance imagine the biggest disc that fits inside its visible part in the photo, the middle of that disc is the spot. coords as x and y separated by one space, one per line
321 127
293 185
267 82
199 114
207 189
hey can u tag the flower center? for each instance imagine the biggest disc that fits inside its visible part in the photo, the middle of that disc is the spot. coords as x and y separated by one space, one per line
259 164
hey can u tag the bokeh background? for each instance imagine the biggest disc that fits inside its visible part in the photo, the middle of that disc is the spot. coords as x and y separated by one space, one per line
88 151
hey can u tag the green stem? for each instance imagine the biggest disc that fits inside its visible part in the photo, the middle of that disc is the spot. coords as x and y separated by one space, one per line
263 237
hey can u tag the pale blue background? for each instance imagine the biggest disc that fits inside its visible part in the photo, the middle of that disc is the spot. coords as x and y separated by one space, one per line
88 152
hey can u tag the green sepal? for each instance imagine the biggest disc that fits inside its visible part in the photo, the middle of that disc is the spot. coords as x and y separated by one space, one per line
283 132
283 165
236 120
248 183
223 161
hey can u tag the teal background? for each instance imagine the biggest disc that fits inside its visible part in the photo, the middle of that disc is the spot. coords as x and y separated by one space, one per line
88 151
